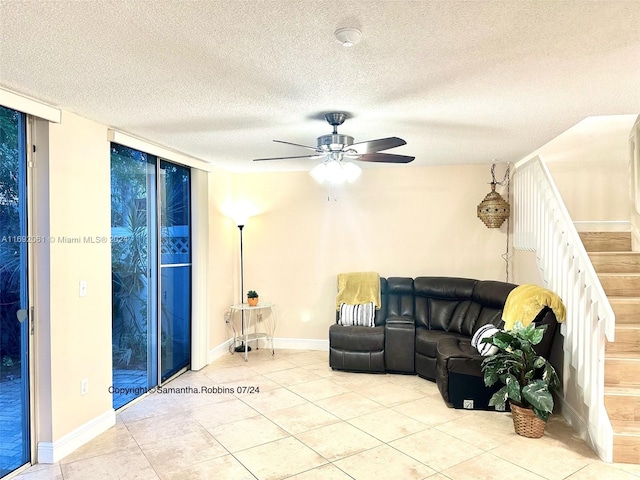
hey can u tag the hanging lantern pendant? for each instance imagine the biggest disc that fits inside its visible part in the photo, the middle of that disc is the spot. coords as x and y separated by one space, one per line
494 209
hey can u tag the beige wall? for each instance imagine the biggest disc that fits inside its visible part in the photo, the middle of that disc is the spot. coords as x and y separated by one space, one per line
399 221
590 165
79 328
222 256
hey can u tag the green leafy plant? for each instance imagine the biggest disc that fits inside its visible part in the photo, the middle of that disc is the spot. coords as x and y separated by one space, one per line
527 378
252 294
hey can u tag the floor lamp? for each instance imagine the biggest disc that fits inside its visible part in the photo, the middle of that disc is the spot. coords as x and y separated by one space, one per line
241 347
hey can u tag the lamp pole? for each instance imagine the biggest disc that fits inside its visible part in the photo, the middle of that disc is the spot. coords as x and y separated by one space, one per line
241 347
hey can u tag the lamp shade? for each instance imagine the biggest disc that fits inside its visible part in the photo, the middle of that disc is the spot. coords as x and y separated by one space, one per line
494 209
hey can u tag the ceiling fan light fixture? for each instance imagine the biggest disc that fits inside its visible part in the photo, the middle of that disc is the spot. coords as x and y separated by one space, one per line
351 171
335 172
348 36
319 173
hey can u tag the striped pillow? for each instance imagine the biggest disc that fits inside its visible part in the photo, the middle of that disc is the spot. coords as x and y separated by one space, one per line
485 331
357 315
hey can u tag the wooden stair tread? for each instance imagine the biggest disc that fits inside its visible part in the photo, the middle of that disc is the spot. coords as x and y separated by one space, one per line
622 427
628 326
631 356
606 241
608 253
626 309
622 390
619 274
616 299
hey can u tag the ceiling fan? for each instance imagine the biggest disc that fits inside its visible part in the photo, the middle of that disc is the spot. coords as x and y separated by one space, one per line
336 147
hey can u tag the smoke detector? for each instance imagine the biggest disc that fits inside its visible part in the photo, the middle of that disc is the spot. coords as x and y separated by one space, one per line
347 36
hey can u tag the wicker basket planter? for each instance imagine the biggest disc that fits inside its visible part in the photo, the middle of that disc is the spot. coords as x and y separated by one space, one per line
526 423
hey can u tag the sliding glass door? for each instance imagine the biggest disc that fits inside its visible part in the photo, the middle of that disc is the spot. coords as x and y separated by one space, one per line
151 271
14 301
175 268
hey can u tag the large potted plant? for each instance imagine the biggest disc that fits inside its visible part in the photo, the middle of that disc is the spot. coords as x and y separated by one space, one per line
527 378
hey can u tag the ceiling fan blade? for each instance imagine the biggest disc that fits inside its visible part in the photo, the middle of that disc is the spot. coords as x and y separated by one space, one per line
287 158
296 144
385 158
377 145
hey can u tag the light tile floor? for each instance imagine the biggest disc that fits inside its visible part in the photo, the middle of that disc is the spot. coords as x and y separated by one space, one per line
310 423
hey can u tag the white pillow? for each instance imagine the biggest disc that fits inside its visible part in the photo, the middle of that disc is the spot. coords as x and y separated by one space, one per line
362 315
485 331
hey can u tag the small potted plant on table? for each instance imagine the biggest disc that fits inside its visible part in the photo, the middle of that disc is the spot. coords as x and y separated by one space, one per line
252 298
527 378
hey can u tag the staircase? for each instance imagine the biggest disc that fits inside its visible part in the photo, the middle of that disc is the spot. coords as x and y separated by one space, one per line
619 271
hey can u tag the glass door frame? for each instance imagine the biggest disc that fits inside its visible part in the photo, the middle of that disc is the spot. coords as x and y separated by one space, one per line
26 183
31 231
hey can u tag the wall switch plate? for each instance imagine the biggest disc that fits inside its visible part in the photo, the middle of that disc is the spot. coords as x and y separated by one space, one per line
83 288
84 386
468 404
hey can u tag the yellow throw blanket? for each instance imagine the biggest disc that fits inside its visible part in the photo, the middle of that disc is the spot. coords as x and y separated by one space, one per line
357 288
525 302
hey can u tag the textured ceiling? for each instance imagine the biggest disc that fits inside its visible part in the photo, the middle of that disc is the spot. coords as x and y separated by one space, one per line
460 81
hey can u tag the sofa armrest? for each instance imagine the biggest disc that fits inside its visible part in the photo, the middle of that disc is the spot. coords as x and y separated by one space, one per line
400 321
399 349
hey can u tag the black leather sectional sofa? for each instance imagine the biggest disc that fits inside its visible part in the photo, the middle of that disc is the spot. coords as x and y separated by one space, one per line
425 326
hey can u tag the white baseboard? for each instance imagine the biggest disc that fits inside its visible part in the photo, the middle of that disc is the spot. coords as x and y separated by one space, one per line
301 344
603 226
278 343
217 352
580 426
52 452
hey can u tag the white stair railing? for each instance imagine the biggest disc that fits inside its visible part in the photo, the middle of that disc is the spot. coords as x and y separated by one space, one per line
542 224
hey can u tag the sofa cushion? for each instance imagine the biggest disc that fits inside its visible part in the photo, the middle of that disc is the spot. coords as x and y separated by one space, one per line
357 339
427 340
399 297
357 315
491 293
485 349
444 303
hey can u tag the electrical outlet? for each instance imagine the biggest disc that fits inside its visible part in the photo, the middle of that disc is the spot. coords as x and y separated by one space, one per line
468 404
83 288
259 317
84 386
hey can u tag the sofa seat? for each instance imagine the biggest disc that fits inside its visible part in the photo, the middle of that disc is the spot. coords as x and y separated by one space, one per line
359 349
426 350
459 375
427 340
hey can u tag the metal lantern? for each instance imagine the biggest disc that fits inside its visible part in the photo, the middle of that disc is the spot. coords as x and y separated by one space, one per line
494 209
